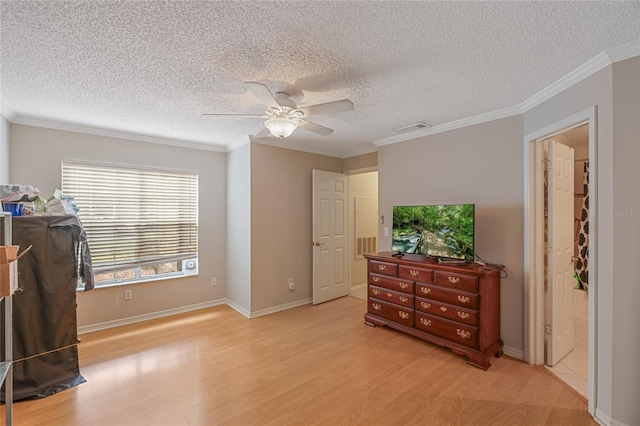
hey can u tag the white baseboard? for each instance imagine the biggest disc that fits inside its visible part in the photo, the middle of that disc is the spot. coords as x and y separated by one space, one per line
602 419
145 317
279 308
238 308
605 420
357 287
513 352
174 311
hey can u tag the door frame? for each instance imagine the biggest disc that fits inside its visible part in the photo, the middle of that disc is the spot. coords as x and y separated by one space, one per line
533 238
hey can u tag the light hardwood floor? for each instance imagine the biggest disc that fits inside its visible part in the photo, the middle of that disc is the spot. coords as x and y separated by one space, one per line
312 365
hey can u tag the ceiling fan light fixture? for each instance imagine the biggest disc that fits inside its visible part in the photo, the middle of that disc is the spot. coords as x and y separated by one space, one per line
281 127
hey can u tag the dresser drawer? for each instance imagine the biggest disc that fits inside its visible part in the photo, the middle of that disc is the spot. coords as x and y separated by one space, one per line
455 313
391 312
384 268
452 331
387 295
417 274
454 280
452 297
391 283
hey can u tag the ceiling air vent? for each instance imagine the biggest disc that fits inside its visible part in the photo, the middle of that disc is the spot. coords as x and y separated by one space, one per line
413 127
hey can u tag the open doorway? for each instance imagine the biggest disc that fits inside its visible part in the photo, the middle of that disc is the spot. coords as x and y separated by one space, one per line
363 215
538 302
568 360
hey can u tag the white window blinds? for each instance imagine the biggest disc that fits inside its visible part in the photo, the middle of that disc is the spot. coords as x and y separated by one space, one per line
134 216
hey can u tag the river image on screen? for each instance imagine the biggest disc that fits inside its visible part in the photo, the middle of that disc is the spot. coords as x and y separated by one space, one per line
443 230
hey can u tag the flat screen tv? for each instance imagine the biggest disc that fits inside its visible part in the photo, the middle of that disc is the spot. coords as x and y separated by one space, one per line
441 231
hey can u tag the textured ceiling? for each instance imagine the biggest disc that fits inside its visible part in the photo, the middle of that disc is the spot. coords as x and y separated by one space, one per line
153 67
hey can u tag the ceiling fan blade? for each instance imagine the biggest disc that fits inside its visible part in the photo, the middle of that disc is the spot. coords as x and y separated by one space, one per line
264 133
327 108
263 93
235 115
315 128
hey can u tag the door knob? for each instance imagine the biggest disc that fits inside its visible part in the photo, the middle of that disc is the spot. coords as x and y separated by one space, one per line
316 244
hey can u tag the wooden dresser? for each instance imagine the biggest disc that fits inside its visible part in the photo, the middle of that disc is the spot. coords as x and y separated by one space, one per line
455 306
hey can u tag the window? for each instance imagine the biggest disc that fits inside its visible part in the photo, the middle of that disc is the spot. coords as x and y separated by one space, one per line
141 224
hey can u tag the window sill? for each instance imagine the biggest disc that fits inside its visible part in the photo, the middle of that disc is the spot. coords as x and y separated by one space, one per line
80 288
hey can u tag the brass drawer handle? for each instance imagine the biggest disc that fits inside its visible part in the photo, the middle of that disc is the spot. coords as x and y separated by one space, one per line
375 291
389 295
463 299
376 306
377 280
404 299
382 267
425 321
463 334
425 305
414 273
403 314
454 280
403 285
443 309
463 315
425 290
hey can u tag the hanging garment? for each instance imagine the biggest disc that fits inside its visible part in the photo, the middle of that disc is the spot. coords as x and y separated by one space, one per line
583 233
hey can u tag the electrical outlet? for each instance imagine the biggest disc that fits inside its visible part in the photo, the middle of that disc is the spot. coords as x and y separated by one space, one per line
292 285
214 281
128 294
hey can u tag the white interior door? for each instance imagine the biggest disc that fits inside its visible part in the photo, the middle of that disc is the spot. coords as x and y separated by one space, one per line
330 236
560 254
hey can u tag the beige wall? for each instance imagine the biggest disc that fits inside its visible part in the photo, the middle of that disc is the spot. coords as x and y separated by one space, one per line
481 165
36 154
360 185
4 150
615 92
626 236
238 241
281 233
364 161
593 91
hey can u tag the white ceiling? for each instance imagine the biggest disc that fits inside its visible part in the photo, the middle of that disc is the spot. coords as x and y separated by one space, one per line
151 68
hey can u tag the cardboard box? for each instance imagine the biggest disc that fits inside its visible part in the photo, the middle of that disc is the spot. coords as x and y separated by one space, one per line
8 270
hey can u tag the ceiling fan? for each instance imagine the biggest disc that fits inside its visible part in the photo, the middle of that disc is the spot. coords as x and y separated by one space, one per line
283 115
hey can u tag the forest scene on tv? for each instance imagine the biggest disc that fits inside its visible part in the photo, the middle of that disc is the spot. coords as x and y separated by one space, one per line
438 230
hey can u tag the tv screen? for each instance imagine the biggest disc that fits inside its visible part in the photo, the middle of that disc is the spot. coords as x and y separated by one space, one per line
443 230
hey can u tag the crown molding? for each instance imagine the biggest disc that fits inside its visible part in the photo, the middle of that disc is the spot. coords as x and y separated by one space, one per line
624 52
6 110
601 61
99 131
452 125
292 145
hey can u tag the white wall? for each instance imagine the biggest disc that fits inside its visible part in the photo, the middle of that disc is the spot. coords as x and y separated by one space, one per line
36 155
480 165
238 204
